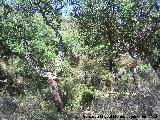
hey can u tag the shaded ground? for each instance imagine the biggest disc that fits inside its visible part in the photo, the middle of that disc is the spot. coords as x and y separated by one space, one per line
137 104
146 103
140 105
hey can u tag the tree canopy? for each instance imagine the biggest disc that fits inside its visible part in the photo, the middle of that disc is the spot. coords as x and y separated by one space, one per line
55 65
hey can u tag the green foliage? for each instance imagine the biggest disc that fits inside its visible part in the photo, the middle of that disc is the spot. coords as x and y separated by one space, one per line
113 24
87 97
105 30
81 95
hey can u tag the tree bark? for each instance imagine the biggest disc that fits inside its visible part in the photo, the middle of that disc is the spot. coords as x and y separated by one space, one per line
55 94
133 69
58 62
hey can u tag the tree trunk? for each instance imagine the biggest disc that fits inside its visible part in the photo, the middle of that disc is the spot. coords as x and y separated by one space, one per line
55 94
114 70
133 69
58 62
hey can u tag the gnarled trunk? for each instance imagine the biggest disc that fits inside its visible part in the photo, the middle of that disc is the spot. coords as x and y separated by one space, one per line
133 69
58 61
55 94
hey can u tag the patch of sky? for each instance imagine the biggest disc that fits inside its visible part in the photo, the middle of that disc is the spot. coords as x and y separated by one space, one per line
67 10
